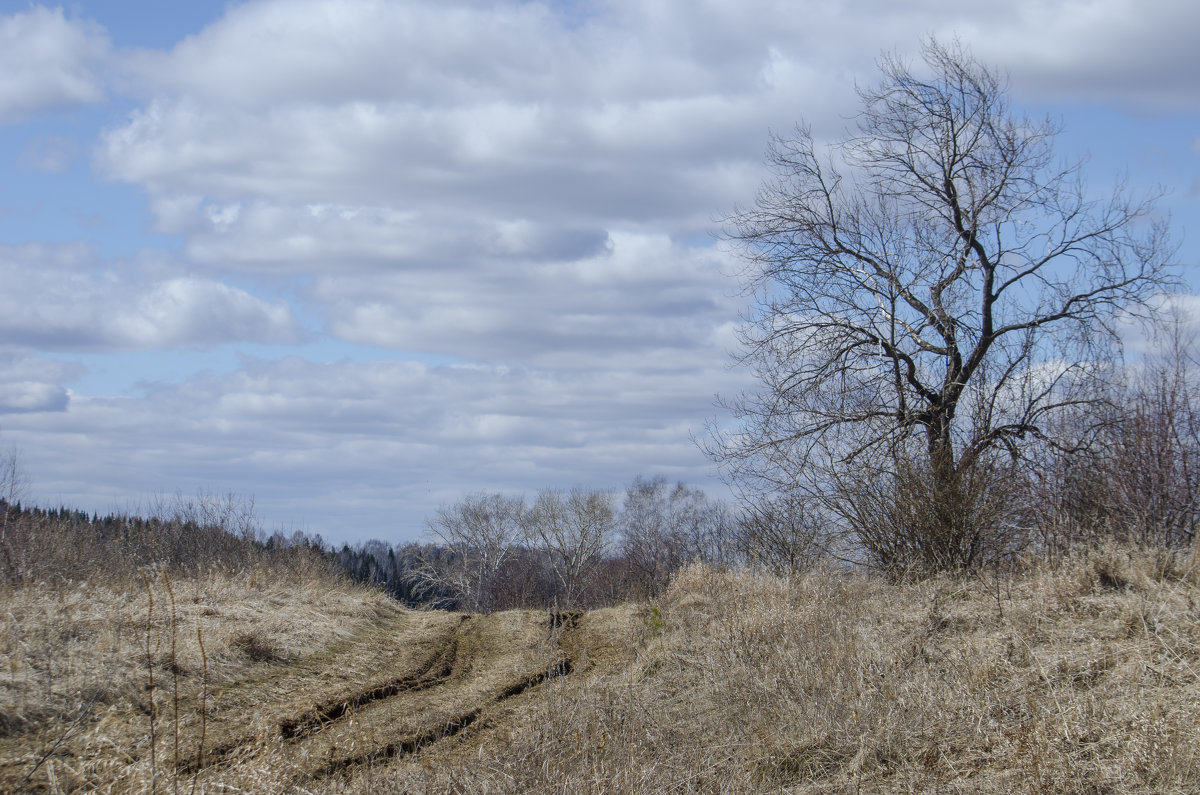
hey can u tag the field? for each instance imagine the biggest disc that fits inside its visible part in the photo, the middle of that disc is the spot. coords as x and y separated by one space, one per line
1079 676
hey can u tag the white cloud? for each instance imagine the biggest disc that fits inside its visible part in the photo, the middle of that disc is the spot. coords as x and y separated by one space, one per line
1136 54
617 163
29 384
1178 322
64 298
48 61
464 110
358 241
645 112
368 449
189 311
639 294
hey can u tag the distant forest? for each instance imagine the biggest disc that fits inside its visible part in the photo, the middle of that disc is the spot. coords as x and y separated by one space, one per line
486 552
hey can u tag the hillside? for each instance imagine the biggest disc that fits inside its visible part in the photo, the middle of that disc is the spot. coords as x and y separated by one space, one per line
1076 677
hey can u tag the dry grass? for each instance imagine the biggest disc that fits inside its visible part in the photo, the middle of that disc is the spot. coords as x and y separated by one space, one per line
1080 677
75 695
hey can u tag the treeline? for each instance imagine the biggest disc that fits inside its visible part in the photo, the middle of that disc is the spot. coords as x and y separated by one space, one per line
579 548
184 534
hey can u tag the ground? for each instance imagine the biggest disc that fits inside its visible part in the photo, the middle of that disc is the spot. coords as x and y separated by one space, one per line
1078 675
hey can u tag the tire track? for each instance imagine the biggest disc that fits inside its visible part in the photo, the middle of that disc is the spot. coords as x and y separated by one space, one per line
436 669
446 731
432 672
558 624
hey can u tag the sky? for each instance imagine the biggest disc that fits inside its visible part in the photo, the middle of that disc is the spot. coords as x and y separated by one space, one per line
353 259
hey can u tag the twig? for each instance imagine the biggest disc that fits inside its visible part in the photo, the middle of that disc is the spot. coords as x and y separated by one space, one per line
150 680
174 679
66 735
203 707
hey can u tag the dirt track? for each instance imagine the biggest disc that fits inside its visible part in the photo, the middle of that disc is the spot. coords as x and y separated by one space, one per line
408 682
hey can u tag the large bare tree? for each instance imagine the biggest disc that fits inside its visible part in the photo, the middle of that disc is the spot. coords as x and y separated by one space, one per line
928 292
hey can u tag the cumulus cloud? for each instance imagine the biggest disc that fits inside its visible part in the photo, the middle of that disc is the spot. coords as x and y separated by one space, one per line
498 109
640 294
1136 54
369 449
600 166
356 239
48 61
635 113
1178 324
64 298
29 384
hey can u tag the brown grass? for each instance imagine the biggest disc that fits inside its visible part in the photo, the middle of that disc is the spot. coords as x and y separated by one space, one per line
75 669
1083 676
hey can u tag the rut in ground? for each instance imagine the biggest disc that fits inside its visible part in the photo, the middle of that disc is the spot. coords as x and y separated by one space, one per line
405 683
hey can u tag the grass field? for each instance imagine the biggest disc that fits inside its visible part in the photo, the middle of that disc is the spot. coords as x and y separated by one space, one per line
1083 676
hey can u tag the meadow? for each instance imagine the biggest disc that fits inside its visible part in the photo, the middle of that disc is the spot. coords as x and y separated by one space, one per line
1077 673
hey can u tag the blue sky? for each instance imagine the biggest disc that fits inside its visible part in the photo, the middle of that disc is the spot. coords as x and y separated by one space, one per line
357 258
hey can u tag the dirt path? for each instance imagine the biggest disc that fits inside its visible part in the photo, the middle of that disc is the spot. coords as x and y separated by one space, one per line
466 672
404 682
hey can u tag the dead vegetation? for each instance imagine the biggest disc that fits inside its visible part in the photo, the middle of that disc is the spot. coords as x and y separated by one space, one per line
1078 676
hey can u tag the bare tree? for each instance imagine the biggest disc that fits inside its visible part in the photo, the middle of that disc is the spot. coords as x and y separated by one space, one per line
480 532
574 531
926 298
665 526
13 486
778 533
1155 455
1140 478
230 512
14 482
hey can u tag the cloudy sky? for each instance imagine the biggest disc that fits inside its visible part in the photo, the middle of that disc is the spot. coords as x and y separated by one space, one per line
356 258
